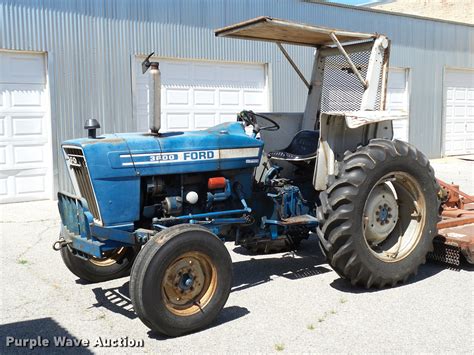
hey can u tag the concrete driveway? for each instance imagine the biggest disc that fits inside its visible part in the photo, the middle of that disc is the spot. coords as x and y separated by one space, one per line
279 303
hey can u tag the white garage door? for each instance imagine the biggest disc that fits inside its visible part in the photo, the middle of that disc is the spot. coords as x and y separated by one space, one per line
459 112
198 95
397 99
25 143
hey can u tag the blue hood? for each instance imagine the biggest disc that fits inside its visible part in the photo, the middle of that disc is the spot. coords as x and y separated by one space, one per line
116 162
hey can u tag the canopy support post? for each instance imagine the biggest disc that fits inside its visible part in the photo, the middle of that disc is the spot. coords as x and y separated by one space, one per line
293 64
349 60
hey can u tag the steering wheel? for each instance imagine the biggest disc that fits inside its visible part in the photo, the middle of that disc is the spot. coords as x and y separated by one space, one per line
250 119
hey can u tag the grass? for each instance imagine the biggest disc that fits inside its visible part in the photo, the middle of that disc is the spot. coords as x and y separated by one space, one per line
279 347
342 300
310 327
22 261
333 311
321 319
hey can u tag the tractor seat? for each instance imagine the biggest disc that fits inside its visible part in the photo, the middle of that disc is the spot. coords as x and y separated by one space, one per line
303 147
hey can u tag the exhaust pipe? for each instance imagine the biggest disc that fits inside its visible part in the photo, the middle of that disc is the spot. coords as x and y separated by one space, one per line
155 97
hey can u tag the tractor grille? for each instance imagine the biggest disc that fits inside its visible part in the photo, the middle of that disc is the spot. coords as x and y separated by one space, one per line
342 90
79 171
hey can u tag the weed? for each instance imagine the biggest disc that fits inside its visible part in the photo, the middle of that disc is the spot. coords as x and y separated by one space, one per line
279 347
310 327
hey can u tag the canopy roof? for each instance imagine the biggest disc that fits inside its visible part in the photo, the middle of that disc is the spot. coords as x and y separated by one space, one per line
275 30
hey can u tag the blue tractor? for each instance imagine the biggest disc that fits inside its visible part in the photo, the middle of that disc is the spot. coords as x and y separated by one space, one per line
158 205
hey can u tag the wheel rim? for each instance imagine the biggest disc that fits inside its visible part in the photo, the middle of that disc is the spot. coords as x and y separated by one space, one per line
394 216
189 283
110 257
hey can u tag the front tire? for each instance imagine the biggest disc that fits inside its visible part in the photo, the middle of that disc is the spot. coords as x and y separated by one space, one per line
378 219
181 280
115 264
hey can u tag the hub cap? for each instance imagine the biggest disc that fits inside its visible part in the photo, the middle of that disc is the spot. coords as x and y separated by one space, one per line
394 216
382 213
189 284
110 257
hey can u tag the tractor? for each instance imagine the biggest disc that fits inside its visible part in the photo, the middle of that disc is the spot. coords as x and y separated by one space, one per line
158 205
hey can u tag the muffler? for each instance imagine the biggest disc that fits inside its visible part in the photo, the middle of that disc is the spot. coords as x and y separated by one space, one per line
155 97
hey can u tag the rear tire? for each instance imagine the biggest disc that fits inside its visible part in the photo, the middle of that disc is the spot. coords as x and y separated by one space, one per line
378 219
113 266
181 280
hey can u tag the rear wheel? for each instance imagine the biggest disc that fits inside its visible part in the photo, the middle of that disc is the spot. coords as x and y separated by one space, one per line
114 264
378 219
181 280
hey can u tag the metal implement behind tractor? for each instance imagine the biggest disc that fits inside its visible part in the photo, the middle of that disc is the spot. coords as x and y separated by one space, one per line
158 205
456 229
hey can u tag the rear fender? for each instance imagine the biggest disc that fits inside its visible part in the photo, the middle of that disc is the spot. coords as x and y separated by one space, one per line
345 131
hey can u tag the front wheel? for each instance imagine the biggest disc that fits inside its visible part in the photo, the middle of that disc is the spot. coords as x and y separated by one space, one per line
114 264
181 280
378 219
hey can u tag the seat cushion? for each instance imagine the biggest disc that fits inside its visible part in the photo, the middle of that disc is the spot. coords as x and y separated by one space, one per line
303 146
282 155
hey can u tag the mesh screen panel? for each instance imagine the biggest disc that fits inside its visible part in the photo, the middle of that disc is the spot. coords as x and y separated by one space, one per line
342 90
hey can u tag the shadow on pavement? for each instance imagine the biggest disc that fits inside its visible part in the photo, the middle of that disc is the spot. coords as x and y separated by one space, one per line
228 314
425 271
115 299
305 262
38 331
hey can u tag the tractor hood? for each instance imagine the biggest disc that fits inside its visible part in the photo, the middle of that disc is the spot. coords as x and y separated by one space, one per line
107 170
225 146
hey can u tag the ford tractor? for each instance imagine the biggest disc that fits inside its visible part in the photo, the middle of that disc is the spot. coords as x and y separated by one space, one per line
159 205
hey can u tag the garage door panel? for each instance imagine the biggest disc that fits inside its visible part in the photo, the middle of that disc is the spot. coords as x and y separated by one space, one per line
30 184
459 112
254 78
229 97
3 156
204 120
204 97
26 98
205 74
397 99
459 94
178 120
3 120
3 186
470 95
253 98
26 126
28 155
22 68
25 152
177 97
